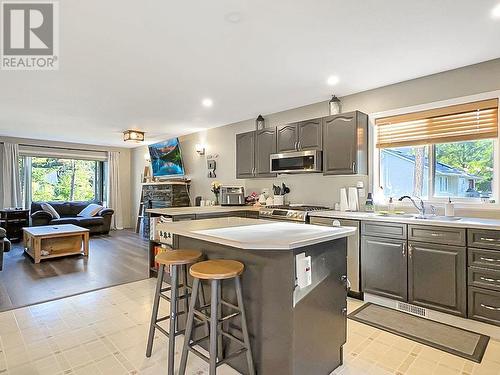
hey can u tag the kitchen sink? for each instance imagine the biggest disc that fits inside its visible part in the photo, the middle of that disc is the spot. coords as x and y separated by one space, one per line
396 215
438 217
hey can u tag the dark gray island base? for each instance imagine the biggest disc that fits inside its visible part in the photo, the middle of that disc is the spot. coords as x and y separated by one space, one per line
292 330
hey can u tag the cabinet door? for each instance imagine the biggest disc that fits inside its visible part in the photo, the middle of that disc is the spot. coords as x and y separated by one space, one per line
265 145
287 137
310 135
384 267
437 277
340 144
245 155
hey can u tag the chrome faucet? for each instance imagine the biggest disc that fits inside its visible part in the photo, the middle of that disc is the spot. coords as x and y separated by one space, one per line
420 209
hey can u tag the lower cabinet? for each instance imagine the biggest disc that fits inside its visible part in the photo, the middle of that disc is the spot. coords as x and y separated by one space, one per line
384 267
437 277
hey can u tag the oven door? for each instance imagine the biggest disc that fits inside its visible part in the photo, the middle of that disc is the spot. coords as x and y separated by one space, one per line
296 162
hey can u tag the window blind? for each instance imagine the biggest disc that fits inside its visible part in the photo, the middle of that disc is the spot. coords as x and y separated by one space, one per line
62 153
463 122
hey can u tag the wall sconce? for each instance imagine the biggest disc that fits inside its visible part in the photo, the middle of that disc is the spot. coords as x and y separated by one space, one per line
260 123
335 106
200 149
133 135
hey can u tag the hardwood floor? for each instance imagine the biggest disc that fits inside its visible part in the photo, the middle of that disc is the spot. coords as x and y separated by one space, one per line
117 258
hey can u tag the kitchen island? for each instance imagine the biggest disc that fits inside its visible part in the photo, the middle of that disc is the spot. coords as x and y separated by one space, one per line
293 329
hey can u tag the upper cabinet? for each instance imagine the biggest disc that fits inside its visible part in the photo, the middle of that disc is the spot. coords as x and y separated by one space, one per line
253 150
304 135
345 144
245 155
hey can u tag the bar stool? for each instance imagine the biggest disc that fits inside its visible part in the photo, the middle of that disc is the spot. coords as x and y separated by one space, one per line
176 259
215 271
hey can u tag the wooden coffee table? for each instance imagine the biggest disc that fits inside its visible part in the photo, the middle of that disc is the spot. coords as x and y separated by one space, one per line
58 240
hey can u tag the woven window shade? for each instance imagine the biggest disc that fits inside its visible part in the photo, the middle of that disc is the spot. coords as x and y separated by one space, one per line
463 122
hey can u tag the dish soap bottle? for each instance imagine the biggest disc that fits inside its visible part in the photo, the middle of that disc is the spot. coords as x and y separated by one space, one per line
449 208
369 203
390 205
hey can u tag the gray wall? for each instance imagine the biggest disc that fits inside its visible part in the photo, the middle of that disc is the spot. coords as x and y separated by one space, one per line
318 189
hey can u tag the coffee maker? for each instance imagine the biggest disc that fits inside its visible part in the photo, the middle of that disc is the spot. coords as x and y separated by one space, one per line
232 196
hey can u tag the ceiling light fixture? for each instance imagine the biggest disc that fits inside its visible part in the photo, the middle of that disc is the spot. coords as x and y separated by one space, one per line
332 80
133 135
207 102
495 12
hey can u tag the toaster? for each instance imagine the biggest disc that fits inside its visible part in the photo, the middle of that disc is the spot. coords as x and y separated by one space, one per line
232 196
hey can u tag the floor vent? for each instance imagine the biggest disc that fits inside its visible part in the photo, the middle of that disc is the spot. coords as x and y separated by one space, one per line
415 310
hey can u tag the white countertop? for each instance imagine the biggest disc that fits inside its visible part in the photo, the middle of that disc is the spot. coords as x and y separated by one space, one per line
464 222
173 211
256 234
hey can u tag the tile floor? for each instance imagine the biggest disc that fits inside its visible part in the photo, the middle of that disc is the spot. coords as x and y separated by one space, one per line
104 332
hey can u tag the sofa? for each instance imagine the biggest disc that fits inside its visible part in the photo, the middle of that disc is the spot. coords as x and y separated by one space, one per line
4 245
98 224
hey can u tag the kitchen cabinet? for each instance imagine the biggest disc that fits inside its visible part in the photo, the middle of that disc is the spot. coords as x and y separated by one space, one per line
299 136
265 145
253 150
384 267
345 144
245 155
437 276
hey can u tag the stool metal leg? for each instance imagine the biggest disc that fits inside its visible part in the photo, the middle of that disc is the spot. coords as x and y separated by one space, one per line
244 328
220 348
154 313
214 302
189 327
173 318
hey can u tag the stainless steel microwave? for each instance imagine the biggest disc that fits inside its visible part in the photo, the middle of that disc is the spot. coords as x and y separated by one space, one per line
297 162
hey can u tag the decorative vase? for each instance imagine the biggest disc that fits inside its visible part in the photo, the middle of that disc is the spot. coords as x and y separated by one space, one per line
216 199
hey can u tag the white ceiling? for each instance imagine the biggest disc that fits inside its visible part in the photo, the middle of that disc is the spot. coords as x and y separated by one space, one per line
148 64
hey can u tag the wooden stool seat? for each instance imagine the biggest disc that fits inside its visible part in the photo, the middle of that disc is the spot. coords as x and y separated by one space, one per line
178 257
217 269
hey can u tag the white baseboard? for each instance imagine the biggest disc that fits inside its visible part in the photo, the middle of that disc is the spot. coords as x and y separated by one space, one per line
456 321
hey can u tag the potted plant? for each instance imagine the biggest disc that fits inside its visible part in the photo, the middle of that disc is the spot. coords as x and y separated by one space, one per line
216 190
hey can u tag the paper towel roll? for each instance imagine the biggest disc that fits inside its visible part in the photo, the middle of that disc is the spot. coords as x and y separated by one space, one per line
353 199
343 200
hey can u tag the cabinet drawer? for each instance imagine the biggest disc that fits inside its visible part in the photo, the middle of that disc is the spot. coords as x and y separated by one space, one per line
447 236
383 229
484 278
484 258
484 305
485 239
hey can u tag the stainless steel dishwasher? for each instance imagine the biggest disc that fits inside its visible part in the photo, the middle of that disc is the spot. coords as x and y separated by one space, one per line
353 253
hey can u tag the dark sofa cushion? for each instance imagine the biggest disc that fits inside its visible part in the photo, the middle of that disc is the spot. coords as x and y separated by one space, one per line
65 209
80 221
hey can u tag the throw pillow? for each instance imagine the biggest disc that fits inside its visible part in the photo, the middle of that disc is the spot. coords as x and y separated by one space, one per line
51 210
91 210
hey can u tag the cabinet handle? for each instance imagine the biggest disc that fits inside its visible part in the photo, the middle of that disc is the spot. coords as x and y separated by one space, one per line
296 145
489 259
436 234
490 307
489 239
353 167
489 280
344 311
403 252
299 146
346 282
410 250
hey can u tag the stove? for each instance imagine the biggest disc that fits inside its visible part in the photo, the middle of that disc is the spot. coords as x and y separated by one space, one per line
291 213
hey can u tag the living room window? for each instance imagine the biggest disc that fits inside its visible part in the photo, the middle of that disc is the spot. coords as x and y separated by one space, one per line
59 179
439 153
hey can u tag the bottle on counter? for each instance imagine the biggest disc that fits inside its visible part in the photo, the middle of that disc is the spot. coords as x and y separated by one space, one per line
369 207
449 208
391 205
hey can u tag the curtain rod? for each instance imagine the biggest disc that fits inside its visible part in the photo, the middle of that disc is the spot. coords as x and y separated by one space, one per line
59 147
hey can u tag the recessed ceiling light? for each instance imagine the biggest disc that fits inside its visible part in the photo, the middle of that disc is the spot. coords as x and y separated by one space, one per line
233 17
495 12
207 102
332 80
